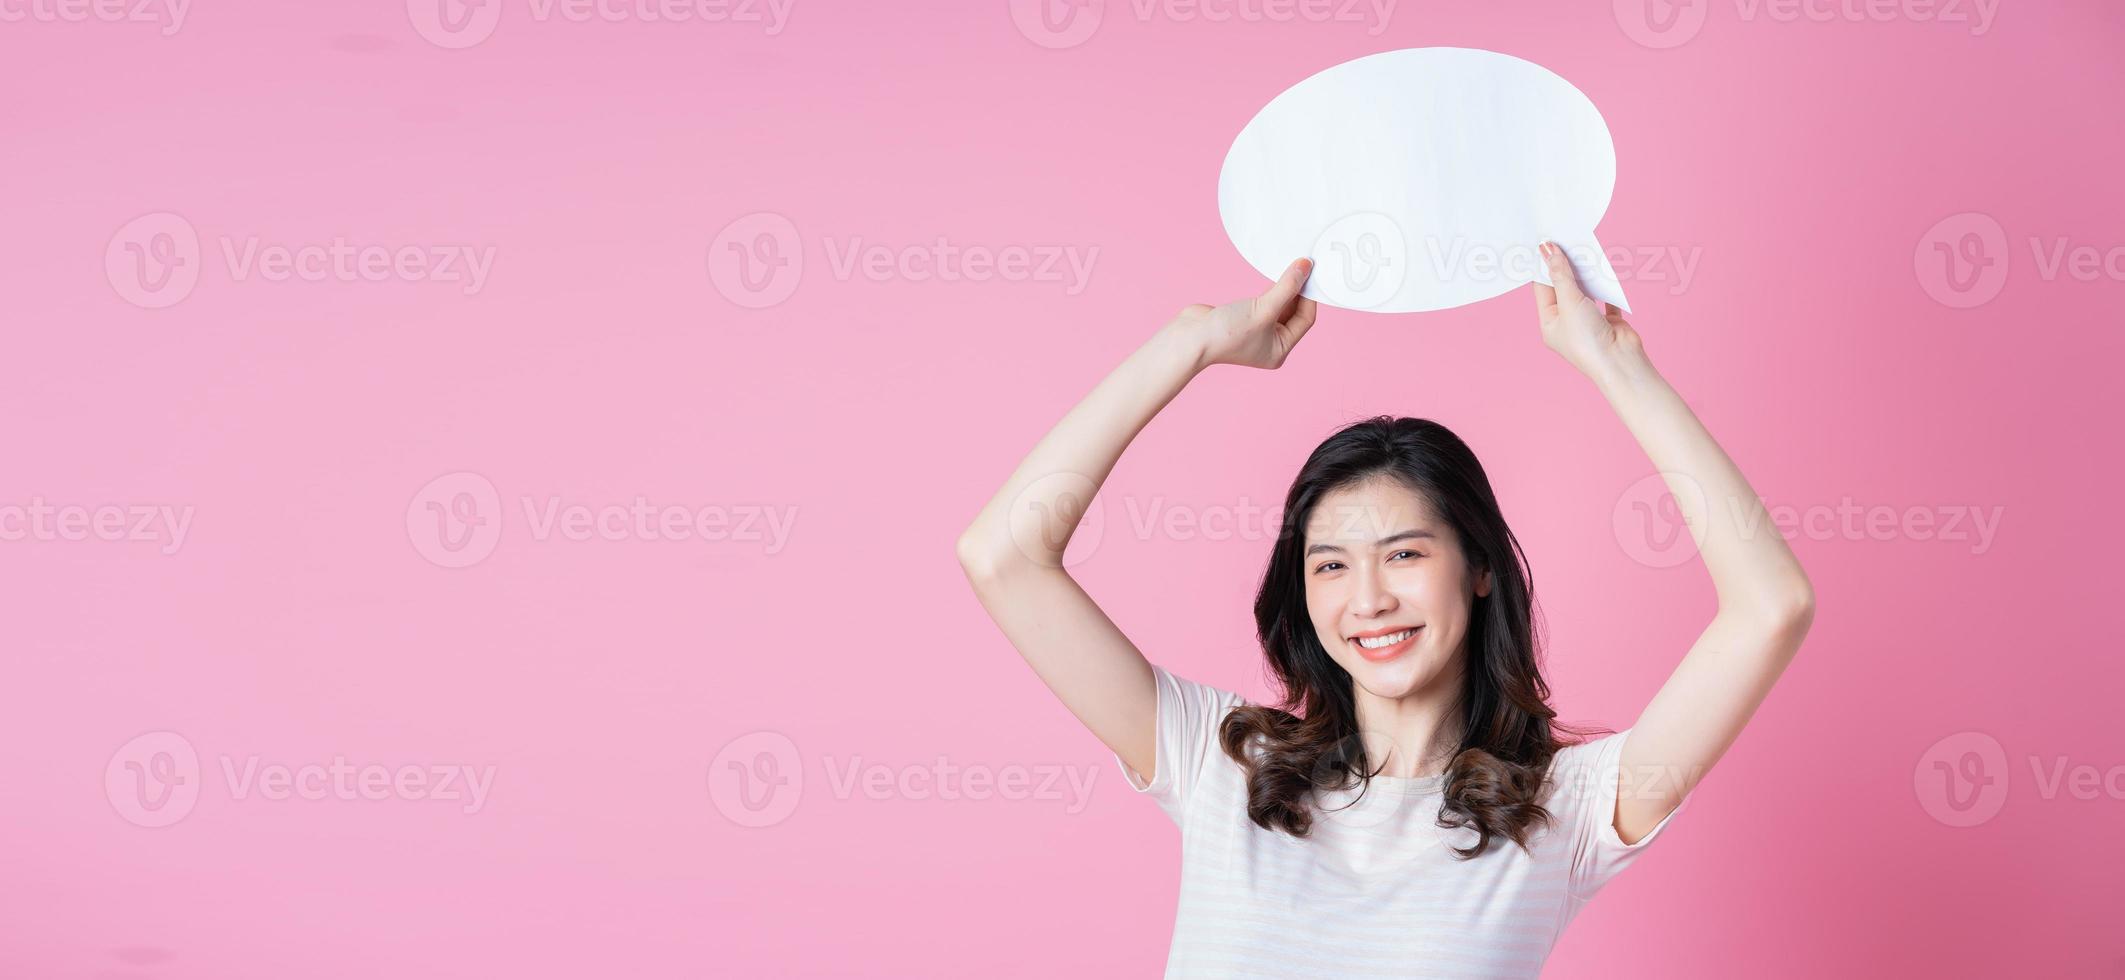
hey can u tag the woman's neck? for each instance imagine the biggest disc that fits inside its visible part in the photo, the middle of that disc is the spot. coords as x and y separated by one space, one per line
1416 734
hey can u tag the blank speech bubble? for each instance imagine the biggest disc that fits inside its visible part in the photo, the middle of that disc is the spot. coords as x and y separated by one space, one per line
1423 179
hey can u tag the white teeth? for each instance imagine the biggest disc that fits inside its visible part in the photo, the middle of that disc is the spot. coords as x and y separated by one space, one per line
1378 642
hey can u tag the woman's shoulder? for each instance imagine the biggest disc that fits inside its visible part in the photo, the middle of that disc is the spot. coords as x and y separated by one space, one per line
1577 749
1202 711
1576 769
1187 688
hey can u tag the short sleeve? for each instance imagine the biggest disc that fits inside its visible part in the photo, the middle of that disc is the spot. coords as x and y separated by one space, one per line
1588 776
1189 715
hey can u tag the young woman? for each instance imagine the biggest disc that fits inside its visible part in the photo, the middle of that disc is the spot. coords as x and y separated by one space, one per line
1410 807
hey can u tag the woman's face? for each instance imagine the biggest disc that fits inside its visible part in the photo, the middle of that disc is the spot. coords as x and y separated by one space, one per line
1378 561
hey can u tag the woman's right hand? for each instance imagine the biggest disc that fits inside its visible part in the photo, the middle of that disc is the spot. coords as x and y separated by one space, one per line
1258 332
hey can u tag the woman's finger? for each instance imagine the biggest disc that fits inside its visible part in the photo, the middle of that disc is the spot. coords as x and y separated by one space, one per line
1271 305
1545 299
1561 274
1302 319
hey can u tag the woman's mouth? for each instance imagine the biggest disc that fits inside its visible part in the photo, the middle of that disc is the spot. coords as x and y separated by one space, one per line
1386 646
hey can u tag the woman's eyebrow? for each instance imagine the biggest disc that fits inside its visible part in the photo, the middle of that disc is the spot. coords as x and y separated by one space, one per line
1383 542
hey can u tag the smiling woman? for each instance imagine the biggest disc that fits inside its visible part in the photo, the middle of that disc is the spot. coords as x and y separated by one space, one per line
1410 806
1399 613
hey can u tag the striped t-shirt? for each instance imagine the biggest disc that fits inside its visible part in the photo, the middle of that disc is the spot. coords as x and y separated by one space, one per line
1374 891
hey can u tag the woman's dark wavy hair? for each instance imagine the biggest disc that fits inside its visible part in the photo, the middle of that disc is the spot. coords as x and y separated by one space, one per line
1309 741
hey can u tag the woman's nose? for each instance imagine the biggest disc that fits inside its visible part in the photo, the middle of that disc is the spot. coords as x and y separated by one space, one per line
1372 597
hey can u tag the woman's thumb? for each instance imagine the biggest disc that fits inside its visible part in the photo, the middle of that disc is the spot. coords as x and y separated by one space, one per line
1561 273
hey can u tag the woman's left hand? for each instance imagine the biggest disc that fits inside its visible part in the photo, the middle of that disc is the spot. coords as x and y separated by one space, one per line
1588 333
1258 332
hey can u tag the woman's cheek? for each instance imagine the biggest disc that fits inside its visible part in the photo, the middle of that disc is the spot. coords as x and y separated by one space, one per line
1418 585
1322 601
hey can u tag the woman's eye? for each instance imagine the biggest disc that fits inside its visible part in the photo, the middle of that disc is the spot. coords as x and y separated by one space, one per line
1410 553
1325 566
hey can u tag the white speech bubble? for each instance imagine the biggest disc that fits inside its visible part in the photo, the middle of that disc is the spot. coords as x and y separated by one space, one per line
1423 179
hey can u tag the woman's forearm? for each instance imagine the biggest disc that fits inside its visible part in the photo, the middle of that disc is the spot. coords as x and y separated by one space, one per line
1752 569
1030 520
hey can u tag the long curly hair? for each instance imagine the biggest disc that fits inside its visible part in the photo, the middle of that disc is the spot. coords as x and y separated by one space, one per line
1309 741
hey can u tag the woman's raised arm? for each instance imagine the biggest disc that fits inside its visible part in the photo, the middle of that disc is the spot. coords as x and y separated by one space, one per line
1765 601
1012 552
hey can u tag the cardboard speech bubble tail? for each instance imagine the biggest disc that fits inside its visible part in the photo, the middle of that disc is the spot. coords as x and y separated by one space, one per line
1591 264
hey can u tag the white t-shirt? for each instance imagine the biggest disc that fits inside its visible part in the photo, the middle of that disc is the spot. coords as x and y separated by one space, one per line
1374 892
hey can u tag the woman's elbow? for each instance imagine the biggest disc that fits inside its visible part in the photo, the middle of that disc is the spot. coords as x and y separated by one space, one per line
1788 613
1793 613
979 556
972 557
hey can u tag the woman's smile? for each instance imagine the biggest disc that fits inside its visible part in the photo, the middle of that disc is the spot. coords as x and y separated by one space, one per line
1383 645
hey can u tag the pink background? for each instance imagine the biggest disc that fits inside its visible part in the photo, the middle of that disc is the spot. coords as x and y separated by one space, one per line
1805 162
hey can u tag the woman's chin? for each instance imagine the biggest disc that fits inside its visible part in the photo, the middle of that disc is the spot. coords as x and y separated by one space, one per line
1395 678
